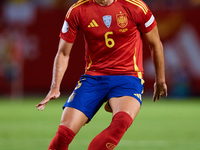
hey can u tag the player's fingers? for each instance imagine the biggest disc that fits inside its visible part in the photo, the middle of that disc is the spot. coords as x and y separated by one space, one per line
165 93
38 104
49 97
159 96
41 107
154 97
45 101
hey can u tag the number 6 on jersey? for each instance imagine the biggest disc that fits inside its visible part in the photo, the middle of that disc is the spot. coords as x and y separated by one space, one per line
109 42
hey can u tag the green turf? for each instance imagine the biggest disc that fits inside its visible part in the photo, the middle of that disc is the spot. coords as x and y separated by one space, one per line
165 125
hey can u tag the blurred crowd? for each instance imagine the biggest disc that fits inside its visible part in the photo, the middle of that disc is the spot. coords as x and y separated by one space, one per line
172 4
153 4
41 3
17 45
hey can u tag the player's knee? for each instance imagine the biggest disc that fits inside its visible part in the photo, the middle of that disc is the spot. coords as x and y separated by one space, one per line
122 120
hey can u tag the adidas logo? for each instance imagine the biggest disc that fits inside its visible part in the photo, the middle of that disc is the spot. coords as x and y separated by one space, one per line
139 96
93 24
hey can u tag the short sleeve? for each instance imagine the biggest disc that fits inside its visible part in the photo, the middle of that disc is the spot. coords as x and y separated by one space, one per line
70 26
146 20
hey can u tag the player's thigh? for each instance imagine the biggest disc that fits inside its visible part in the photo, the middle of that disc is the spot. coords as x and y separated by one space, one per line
127 104
73 119
89 95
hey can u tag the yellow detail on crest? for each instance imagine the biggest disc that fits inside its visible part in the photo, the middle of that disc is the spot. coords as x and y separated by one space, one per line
93 24
123 30
140 4
122 20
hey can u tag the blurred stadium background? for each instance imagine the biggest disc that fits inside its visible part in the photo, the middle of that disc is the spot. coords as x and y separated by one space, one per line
29 36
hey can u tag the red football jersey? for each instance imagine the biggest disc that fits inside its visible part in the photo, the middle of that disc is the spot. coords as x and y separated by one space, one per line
113 41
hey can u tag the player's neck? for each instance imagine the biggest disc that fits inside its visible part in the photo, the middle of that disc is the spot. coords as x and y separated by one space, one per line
104 2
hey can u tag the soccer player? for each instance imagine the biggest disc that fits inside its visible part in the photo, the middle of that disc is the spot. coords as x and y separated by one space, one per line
113 31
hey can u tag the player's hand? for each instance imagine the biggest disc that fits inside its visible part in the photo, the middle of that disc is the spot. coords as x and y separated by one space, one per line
160 90
53 94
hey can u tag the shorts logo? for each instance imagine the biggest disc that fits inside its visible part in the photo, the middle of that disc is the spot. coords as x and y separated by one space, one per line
110 146
65 27
71 98
122 20
107 20
138 96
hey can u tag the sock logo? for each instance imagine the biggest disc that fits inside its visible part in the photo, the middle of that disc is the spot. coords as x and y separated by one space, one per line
110 146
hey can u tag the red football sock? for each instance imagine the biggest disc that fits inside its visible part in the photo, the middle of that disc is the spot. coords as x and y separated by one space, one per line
62 139
110 137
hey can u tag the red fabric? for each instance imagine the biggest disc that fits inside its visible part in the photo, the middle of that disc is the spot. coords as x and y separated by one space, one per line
62 139
110 137
113 42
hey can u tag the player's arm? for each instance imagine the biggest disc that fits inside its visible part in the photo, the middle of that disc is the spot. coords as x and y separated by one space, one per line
59 68
153 40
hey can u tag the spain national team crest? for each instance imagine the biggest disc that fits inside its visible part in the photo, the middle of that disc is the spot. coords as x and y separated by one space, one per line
122 20
107 20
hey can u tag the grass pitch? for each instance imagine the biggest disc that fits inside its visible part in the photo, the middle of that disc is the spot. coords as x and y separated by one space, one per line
167 124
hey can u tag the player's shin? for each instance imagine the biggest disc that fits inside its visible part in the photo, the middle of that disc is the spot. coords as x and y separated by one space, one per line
110 137
62 139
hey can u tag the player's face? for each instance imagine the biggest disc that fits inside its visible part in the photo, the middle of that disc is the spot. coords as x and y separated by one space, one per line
104 2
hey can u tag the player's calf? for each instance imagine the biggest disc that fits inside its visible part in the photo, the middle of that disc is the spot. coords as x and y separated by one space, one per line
62 139
110 137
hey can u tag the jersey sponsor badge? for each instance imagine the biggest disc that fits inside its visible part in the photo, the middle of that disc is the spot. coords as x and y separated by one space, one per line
65 27
122 20
107 20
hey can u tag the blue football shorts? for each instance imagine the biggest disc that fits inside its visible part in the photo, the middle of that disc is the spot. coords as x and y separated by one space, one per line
92 91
